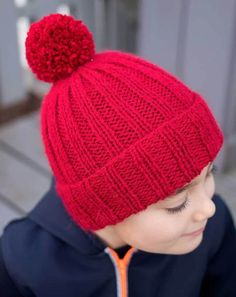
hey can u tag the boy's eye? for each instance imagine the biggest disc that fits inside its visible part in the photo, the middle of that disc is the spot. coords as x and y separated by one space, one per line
178 208
184 205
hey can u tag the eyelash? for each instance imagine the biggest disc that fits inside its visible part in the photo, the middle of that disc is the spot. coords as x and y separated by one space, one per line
184 205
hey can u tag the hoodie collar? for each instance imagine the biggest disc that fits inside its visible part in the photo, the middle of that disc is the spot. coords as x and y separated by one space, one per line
51 214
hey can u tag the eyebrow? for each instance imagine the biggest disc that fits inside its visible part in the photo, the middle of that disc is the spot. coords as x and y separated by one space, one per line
191 184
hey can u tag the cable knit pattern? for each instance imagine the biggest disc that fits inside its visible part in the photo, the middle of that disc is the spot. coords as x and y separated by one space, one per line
121 133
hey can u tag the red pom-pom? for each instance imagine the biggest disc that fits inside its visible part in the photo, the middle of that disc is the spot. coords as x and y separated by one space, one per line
56 45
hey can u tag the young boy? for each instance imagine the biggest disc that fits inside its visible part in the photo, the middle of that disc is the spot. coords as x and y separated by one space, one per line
131 210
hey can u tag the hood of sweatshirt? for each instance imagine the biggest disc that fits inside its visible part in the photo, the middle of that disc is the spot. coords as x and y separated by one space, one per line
51 214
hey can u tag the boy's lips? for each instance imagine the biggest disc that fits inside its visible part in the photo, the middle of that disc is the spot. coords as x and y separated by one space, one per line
199 231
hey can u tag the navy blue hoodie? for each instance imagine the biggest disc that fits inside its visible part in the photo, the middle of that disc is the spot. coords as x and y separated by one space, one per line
45 254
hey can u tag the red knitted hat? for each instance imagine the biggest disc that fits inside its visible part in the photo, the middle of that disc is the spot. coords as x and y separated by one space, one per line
120 133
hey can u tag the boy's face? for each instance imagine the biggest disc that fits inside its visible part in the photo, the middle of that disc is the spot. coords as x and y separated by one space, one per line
156 230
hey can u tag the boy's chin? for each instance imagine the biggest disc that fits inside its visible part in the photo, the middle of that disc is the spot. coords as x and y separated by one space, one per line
189 247
186 247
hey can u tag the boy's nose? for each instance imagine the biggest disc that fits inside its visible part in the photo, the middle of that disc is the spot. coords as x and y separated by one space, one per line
206 209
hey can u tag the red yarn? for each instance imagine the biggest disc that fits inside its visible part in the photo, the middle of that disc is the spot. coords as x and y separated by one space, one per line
56 45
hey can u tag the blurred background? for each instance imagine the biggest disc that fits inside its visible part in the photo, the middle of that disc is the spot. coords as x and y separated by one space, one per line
194 40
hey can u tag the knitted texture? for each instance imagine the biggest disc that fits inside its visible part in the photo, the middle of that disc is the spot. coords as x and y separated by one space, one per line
121 133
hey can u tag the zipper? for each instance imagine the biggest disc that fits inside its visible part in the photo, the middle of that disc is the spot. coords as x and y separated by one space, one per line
121 269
